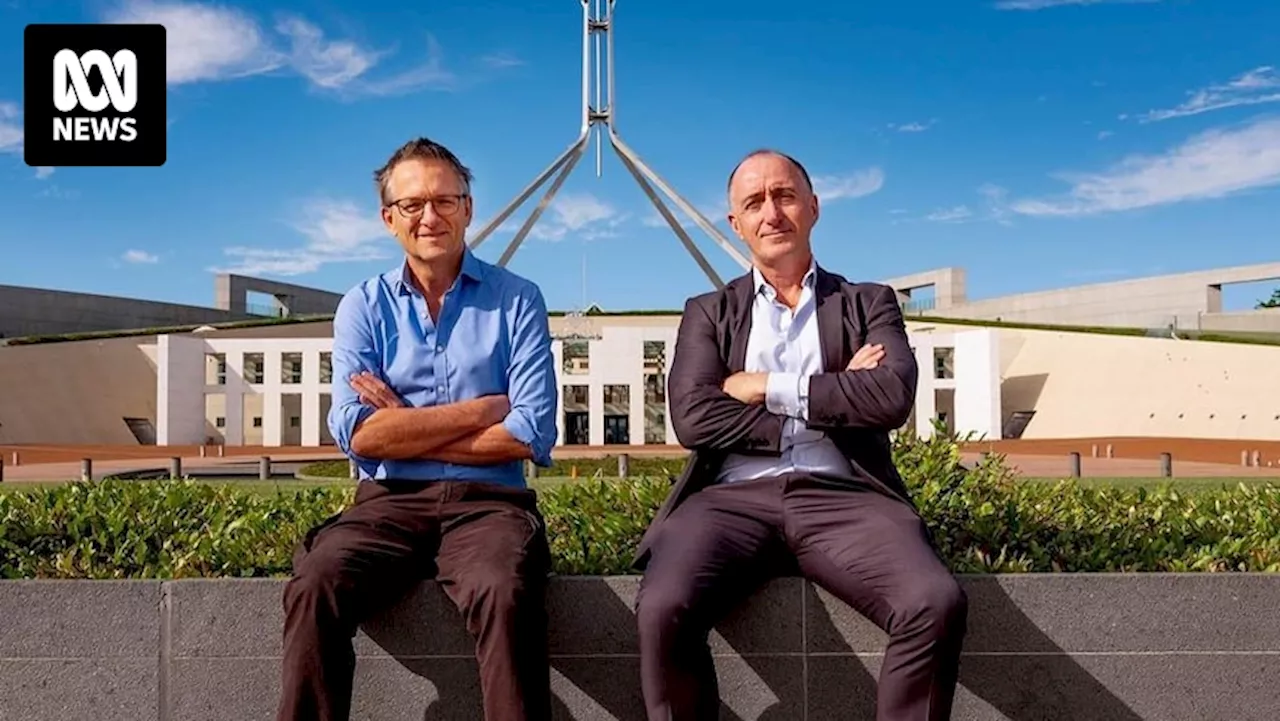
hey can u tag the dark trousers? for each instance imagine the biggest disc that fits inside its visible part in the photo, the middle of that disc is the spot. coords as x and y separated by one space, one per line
869 550
484 544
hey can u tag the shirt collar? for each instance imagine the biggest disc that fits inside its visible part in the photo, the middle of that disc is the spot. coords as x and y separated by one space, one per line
763 287
471 268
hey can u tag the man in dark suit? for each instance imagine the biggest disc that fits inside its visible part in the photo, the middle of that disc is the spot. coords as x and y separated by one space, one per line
785 384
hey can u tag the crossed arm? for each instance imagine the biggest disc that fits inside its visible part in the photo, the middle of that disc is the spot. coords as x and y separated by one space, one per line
713 409
371 422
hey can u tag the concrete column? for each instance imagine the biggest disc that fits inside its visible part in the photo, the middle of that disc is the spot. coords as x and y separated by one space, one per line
311 420
234 390
926 400
977 394
595 400
272 366
180 404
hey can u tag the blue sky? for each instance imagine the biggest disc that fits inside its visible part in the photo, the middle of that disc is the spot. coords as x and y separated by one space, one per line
1035 143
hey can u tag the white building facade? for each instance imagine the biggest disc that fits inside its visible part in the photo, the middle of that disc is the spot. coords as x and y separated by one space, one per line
611 379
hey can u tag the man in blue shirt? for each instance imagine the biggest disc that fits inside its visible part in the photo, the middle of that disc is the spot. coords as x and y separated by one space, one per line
444 384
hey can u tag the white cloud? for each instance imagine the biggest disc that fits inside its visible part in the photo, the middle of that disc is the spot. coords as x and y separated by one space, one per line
336 231
1042 4
209 42
850 185
1213 164
913 127
578 215
205 42
716 213
10 128
43 171
501 60
1104 134
139 257
1257 86
950 215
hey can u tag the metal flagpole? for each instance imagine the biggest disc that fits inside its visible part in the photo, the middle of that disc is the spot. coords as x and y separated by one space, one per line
601 117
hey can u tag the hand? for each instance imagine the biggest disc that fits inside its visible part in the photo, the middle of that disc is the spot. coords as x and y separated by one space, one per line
866 358
747 387
374 392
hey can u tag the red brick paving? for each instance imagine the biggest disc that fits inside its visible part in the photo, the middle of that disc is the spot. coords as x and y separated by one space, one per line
1132 457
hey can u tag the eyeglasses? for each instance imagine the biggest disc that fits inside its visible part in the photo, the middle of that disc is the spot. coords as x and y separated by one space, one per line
414 207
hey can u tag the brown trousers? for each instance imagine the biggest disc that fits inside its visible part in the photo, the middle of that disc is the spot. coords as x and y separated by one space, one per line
869 550
484 544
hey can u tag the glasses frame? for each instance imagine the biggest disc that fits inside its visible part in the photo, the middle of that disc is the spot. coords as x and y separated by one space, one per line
433 201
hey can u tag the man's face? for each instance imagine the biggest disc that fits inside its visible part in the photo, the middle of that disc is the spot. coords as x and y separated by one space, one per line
427 208
772 208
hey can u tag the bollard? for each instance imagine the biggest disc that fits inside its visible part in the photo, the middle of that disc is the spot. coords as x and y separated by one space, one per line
203 451
86 469
1257 459
175 467
1111 451
222 450
264 468
1166 465
624 465
351 470
15 458
1 469
530 470
1075 464
1095 450
1244 458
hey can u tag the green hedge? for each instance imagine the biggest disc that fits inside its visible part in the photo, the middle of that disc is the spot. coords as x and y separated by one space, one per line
984 520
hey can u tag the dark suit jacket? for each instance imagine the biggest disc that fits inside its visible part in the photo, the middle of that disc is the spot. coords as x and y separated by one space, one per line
857 409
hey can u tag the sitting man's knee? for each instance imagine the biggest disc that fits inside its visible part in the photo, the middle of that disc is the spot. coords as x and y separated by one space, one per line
661 606
939 605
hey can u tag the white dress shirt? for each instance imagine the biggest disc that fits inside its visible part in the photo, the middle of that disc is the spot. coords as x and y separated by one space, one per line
785 344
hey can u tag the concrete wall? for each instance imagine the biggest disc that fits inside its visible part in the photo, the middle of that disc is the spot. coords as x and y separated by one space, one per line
1083 385
231 292
34 311
1266 320
78 392
1114 647
1157 302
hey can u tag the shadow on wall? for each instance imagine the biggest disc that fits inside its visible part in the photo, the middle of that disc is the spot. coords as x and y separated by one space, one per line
1018 398
1009 663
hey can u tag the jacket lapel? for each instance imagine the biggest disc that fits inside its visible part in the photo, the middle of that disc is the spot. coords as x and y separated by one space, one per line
739 299
831 335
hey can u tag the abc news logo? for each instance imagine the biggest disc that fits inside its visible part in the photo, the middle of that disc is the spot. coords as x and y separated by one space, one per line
95 95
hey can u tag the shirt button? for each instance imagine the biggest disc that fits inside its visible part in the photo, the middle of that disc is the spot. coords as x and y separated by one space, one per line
439 349
440 389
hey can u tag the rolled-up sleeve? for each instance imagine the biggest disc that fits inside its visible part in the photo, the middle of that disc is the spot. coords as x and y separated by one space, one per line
354 351
531 377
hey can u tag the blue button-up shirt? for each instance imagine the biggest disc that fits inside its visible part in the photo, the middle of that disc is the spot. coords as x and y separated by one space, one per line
492 337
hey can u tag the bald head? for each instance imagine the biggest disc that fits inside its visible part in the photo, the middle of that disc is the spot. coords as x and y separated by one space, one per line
804 174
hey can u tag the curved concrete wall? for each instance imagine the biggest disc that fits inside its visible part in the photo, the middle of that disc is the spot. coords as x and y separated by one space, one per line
1084 385
1040 648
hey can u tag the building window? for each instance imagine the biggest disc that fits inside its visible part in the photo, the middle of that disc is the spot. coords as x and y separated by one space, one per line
220 422
575 357
215 369
295 422
254 368
326 367
291 368
257 421
944 363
